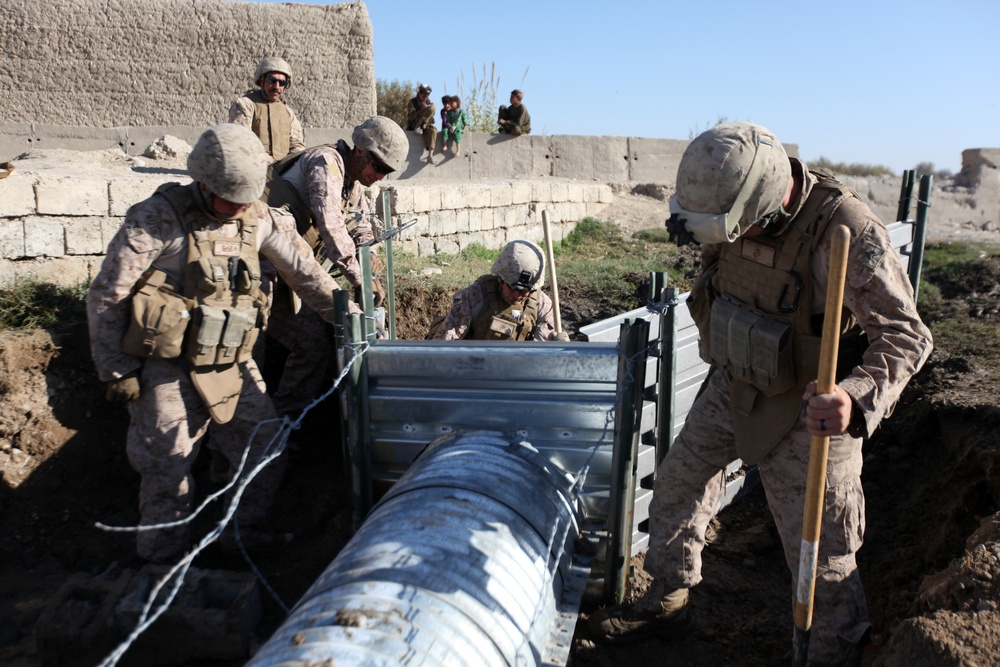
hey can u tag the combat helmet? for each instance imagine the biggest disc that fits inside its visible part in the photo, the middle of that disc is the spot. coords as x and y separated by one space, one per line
521 265
384 138
730 177
230 160
272 64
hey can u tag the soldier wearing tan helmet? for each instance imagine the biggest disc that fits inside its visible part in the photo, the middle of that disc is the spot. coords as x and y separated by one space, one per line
324 188
265 113
506 304
420 118
174 313
766 222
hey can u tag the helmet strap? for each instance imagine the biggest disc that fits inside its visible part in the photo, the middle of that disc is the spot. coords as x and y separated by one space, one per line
752 180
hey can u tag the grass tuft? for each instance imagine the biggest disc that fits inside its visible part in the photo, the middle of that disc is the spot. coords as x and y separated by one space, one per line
33 305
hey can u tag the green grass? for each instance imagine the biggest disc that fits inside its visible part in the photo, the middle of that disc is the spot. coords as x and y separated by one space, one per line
969 338
33 305
593 259
953 273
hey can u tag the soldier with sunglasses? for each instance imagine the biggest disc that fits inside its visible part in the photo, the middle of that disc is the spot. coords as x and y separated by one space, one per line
324 188
264 112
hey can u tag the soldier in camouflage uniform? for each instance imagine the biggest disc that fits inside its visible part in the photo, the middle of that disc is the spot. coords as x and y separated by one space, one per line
420 118
264 113
324 188
765 221
506 304
173 315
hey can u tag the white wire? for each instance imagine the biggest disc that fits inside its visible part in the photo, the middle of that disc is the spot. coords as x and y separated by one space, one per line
177 572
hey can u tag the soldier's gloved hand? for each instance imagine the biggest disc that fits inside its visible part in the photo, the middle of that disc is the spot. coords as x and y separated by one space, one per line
561 336
124 389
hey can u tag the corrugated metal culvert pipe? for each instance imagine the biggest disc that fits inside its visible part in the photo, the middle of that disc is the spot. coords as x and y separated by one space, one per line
466 561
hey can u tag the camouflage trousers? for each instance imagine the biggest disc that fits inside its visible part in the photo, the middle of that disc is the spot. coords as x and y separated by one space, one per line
690 484
168 423
310 352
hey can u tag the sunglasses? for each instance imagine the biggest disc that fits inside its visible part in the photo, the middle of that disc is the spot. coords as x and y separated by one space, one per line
281 83
516 289
381 167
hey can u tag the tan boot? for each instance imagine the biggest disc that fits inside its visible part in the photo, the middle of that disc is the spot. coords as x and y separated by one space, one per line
661 612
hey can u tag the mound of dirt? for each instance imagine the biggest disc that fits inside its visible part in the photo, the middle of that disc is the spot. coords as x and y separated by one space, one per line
930 564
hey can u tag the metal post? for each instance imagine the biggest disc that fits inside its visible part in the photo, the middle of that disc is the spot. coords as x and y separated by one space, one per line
665 407
390 280
355 427
905 195
628 413
367 299
920 231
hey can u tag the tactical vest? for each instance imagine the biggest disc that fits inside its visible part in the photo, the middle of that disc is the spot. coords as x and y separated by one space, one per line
272 122
280 193
213 318
499 320
762 329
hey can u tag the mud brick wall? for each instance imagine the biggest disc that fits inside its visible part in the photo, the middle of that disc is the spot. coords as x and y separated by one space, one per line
111 63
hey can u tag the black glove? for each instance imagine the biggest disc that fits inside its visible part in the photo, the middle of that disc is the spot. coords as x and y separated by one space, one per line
124 389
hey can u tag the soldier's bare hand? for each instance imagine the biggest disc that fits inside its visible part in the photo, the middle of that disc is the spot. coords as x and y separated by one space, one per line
827 414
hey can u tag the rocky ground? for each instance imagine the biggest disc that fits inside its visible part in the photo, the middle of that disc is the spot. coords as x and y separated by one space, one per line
930 564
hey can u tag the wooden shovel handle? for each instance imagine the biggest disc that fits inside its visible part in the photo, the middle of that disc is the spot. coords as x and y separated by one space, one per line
812 518
551 261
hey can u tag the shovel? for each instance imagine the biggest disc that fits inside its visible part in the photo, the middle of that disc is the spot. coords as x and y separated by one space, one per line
552 270
819 450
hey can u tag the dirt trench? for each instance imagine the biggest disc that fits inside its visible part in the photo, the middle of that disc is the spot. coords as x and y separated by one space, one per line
930 563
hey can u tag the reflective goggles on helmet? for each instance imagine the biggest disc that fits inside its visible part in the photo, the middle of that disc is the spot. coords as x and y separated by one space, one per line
721 227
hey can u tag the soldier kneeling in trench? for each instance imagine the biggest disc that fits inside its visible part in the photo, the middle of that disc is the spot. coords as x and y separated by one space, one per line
506 304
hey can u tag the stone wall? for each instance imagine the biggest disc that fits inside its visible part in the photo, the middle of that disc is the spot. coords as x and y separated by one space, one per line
59 210
134 63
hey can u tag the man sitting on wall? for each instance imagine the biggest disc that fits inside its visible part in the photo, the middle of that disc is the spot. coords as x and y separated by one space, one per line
420 118
506 304
264 112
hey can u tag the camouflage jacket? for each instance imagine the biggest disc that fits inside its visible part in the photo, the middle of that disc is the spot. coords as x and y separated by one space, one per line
321 181
152 236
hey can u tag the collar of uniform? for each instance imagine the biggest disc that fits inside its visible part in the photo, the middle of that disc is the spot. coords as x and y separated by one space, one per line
801 172
199 200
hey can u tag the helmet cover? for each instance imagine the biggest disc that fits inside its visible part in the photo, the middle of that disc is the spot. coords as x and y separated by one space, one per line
272 64
521 265
384 139
230 160
730 177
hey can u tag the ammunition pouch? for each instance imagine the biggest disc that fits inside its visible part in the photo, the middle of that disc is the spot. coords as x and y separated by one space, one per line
502 329
159 320
221 335
754 348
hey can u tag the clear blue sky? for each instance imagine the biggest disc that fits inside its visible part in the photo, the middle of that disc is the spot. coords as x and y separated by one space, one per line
878 81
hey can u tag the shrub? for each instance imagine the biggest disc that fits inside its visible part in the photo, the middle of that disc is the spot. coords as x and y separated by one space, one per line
392 99
852 169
